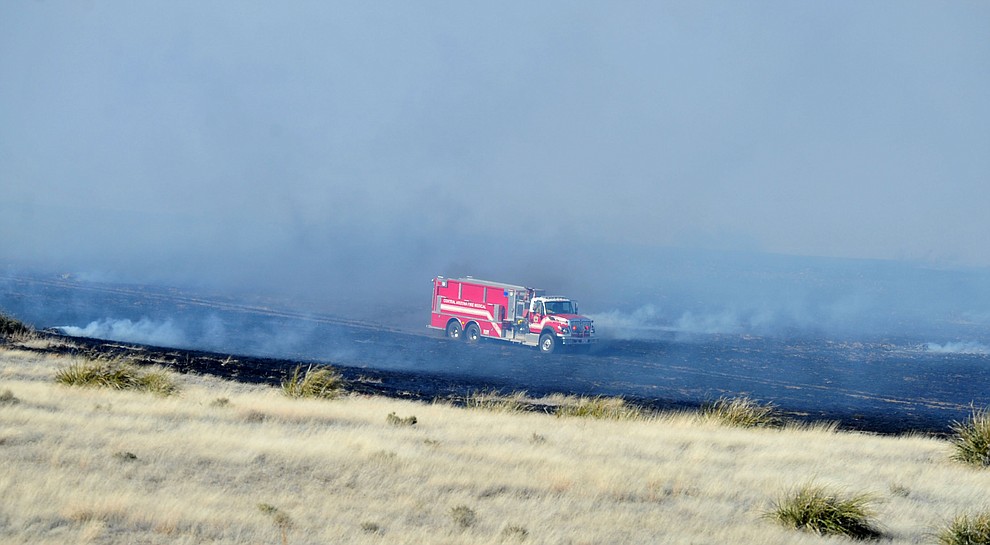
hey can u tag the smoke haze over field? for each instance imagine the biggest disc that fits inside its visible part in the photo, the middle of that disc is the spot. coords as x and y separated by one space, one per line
672 159
142 331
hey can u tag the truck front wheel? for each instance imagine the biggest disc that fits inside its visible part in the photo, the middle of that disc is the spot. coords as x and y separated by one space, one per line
454 329
548 343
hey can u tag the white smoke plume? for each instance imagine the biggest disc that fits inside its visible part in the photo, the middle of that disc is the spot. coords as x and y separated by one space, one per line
144 331
646 322
962 347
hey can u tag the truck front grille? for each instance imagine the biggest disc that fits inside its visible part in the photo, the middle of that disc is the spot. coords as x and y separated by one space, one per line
581 328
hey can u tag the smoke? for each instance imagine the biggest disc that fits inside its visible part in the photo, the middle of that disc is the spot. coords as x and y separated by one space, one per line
962 347
641 293
144 331
630 292
718 323
292 131
822 303
644 322
252 333
650 323
266 164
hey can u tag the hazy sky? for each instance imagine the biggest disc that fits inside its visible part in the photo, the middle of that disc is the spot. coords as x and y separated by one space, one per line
299 139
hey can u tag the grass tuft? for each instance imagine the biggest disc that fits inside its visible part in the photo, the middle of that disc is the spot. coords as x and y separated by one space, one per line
400 421
967 530
825 512
255 417
601 408
818 426
14 329
494 401
518 533
125 456
463 516
742 412
319 382
370 527
7 397
117 375
899 490
971 439
281 520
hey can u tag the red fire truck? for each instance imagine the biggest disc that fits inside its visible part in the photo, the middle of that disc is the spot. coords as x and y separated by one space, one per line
471 309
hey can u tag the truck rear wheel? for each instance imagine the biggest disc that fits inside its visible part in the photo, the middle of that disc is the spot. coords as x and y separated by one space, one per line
454 329
548 343
472 333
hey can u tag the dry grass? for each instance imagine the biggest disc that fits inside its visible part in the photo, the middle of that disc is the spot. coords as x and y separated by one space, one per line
599 408
88 465
971 440
13 330
116 374
742 412
967 530
817 509
318 382
493 400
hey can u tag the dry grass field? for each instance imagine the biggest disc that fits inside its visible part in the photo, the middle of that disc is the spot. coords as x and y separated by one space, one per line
222 462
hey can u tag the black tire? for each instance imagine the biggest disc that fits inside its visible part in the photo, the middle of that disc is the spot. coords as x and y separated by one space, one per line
454 330
548 343
472 333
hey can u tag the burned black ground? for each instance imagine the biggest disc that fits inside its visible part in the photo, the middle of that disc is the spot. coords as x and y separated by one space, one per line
455 388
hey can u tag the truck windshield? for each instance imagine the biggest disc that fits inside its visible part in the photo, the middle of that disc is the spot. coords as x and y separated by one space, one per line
560 307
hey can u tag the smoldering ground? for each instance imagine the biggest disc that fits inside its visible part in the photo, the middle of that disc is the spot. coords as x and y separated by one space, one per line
878 386
885 382
632 292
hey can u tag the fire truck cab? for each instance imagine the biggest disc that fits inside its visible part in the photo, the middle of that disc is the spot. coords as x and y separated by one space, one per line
469 309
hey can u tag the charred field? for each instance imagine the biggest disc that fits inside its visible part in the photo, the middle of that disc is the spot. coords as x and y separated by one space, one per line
881 385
